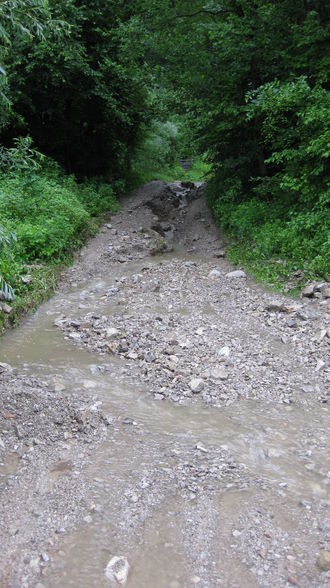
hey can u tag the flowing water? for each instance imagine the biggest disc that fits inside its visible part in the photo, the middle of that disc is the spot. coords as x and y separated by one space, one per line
265 438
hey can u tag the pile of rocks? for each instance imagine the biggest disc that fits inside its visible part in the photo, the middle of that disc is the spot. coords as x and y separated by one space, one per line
192 331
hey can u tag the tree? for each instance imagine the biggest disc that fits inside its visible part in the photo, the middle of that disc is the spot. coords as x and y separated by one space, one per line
80 96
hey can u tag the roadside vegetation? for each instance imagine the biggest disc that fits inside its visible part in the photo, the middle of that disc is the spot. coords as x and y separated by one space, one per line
97 98
46 215
252 78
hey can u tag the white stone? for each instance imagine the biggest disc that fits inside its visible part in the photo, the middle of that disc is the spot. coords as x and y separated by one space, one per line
320 365
117 570
214 274
218 374
112 333
89 384
224 352
201 448
196 385
58 385
236 274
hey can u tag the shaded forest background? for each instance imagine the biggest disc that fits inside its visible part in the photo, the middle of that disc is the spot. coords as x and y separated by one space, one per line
99 96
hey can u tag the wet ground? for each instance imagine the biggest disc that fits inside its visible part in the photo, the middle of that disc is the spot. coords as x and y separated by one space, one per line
224 483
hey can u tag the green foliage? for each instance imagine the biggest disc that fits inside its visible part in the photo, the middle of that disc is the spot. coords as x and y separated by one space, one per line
20 157
21 19
7 240
97 197
83 89
253 79
159 154
47 215
124 90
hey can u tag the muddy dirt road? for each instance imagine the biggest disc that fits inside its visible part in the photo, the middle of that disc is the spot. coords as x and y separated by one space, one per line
162 409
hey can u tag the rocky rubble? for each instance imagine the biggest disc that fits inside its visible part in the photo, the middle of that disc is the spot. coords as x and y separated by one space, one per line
239 475
45 436
182 335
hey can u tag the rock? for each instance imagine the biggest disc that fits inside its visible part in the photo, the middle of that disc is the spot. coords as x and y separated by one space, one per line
58 385
196 385
219 254
2 445
236 533
320 365
158 396
322 334
112 333
5 308
224 353
5 367
26 279
201 448
277 306
45 557
274 306
214 274
236 274
321 287
308 291
89 384
323 561
326 293
188 184
218 374
117 570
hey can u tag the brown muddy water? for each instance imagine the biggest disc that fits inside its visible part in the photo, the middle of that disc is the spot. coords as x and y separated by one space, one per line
264 438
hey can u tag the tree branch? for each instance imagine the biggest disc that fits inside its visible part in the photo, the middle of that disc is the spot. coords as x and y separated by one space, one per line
201 11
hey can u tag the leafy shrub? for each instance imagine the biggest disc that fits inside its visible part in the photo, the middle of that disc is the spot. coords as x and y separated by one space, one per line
96 198
46 216
48 212
7 239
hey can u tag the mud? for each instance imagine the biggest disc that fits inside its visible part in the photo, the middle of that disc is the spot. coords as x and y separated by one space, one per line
108 451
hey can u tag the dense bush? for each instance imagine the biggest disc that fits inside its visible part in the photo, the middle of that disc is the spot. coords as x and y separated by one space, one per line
49 213
253 78
78 90
288 215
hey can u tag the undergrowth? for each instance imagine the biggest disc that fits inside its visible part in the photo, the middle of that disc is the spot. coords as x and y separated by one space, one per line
51 215
278 244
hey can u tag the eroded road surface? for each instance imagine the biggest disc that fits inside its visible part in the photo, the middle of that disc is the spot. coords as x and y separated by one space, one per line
164 410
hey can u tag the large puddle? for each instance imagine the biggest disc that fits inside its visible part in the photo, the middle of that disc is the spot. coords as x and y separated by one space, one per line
265 438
